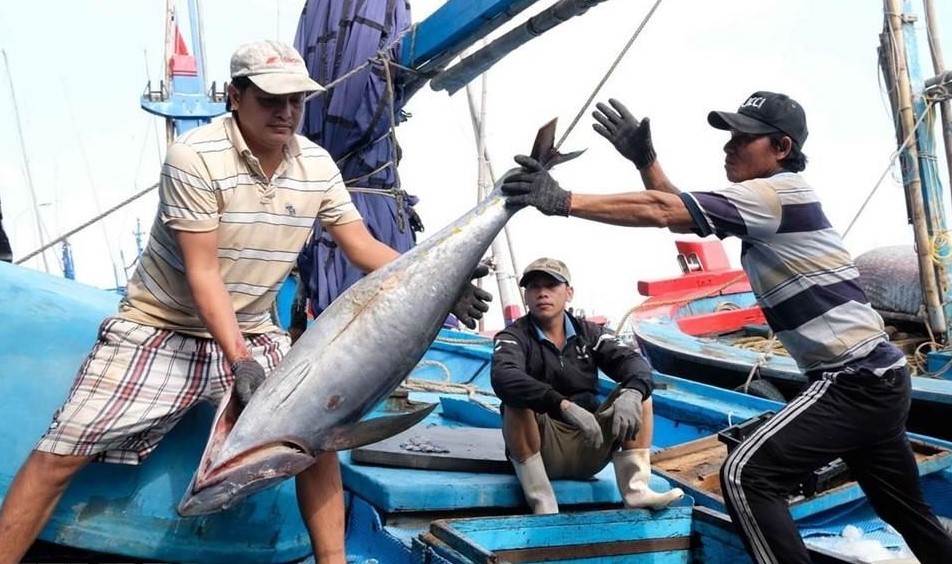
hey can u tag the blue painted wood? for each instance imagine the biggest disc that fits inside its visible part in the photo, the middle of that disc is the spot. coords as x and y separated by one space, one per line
428 549
470 413
397 490
129 510
481 539
454 26
715 541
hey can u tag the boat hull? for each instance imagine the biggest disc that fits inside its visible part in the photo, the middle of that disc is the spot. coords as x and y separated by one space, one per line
117 509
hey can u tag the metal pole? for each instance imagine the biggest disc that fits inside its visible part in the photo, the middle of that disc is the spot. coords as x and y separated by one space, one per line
510 298
166 88
26 162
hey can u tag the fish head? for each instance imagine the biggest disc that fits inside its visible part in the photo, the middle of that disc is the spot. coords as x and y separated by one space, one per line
238 464
219 485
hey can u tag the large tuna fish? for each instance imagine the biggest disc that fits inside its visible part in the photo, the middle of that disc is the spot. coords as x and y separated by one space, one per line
352 357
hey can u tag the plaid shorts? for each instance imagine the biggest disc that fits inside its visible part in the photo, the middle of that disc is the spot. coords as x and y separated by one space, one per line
135 385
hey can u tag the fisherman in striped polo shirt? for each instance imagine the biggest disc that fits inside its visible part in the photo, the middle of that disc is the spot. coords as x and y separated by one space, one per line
237 200
859 392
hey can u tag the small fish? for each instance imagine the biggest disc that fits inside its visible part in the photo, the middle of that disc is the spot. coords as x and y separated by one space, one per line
355 354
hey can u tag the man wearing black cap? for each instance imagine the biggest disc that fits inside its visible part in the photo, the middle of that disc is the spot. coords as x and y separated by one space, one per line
857 401
545 370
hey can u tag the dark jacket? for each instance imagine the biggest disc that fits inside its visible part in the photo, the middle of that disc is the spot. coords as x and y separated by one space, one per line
531 373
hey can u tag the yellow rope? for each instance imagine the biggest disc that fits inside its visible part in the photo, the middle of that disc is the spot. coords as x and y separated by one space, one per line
940 247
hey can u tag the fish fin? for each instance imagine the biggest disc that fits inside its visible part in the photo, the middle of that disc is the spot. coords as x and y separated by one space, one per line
543 148
559 158
373 430
544 142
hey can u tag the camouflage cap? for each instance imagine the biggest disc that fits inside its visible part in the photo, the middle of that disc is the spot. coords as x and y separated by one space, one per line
553 267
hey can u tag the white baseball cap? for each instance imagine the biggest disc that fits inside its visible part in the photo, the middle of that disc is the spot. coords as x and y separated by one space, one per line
273 67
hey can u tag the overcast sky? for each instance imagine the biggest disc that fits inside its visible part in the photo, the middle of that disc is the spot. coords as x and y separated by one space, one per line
78 69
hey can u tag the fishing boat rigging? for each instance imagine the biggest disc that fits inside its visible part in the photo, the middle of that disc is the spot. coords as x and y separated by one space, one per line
41 233
371 61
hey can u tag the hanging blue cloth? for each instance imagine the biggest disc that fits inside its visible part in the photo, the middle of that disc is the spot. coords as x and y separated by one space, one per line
353 122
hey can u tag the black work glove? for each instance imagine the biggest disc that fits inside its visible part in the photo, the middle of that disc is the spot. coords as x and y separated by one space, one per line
473 302
534 186
248 376
632 138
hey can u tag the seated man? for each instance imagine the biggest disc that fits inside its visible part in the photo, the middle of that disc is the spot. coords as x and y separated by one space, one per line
545 371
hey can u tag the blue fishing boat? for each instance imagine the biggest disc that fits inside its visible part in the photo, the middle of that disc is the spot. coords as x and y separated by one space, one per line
439 493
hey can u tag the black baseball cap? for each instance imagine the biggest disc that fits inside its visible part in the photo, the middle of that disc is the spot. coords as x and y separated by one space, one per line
765 112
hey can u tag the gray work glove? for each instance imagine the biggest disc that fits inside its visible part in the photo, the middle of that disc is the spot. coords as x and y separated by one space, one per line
534 186
583 420
632 138
248 376
625 412
473 302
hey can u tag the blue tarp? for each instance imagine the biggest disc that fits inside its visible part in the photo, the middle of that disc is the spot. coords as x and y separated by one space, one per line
353 122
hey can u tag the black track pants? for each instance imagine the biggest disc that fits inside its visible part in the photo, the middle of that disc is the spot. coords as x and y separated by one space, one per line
859 417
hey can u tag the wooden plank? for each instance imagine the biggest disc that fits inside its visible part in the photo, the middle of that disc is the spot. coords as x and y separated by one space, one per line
720 321
470 413
696 466
700 282
439 448
697 445
664 534
455 26
568 552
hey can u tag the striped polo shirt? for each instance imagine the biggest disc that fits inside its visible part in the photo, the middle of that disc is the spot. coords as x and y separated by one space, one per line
212 182
804 278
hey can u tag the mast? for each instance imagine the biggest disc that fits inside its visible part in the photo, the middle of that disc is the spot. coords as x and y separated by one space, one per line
183 98
26 163
501 251
923 190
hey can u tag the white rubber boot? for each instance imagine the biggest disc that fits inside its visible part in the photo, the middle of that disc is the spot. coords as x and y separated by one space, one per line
535 484
632 472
